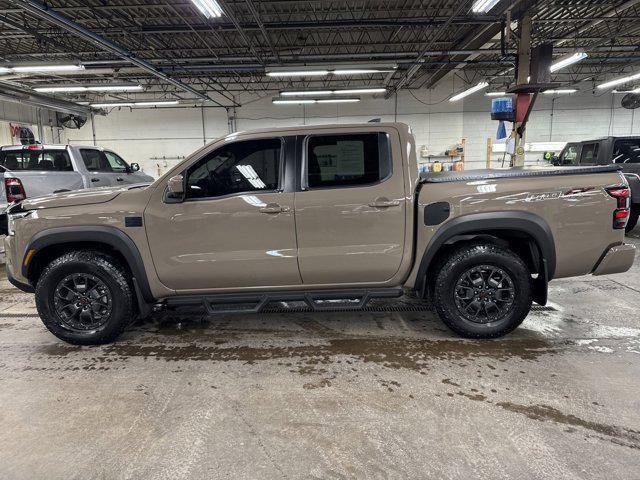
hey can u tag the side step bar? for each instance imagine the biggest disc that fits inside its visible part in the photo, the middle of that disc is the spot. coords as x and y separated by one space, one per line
317 301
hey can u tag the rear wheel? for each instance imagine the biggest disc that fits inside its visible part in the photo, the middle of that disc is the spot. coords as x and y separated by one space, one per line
633 219
483 291
84 298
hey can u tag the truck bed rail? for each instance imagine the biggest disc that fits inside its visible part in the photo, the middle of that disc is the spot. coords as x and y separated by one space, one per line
473 175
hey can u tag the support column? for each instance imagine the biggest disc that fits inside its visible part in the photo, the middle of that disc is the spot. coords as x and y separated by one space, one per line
93 129
40 126
522 77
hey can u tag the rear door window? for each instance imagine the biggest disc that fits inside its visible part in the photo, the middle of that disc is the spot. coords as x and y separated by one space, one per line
36 160
589 154
626 151
346 160
95 160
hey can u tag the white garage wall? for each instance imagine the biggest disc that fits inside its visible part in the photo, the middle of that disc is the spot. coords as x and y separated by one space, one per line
158 138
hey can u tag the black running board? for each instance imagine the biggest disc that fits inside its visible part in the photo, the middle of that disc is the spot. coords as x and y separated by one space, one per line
317 301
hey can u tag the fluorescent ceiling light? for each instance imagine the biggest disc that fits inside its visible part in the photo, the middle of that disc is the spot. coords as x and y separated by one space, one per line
300 73
351 91
338 100
483 6
135 104
4 70
566 61
358 71
619 81
495 94
469 91
306 101
46 68
292 102
89 88
306 92
560 91
209 8
151 103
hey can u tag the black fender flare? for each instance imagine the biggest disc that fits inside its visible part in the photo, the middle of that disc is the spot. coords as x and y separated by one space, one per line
478 223
111 236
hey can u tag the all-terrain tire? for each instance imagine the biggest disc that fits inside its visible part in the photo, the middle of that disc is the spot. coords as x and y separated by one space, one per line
485 257
102 270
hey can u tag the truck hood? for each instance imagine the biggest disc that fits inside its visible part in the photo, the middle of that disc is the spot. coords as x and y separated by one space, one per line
80 197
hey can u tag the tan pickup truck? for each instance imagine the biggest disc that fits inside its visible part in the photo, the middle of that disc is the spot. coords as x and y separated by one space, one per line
331 216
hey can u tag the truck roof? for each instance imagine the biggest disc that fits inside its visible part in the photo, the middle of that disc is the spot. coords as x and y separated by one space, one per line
610 137
47 146
328 126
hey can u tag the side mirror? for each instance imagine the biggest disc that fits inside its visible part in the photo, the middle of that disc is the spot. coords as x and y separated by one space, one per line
175 187
134 167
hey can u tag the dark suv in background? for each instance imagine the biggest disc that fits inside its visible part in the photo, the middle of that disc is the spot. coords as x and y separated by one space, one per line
623 151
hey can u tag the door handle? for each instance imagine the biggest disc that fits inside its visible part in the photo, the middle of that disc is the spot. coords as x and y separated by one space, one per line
119 179
383 202
94 180
273 208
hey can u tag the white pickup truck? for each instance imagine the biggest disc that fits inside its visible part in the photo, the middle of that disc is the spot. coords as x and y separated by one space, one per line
36 170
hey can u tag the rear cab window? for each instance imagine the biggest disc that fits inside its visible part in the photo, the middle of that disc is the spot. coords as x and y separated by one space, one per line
47 160
626 151
347 160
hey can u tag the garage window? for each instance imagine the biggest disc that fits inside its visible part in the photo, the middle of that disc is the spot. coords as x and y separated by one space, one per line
345 160
250 166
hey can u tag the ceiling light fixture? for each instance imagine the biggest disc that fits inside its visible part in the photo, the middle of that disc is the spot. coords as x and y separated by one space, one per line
483 6
560 91
307 101
351 91
359 71
46 68
469 91
338 100
566 61
322 71
209 8
296 73
306 92
619 81
135 104
496 94
89 88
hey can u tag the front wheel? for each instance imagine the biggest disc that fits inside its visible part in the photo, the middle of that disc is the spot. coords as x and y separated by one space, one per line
483 291
84 298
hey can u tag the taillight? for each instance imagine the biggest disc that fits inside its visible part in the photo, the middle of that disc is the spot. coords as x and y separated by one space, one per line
623 202
15 190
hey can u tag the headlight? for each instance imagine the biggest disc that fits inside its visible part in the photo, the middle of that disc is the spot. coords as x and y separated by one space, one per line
12 217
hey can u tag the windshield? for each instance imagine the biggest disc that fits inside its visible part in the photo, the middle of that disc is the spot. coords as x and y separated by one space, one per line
36 160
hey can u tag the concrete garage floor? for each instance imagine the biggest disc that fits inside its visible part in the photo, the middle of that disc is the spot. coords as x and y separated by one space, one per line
329 396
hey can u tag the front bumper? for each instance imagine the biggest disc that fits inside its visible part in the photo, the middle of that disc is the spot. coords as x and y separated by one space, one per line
617 259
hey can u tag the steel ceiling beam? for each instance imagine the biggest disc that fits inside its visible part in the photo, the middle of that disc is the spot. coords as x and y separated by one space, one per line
46 13
15 94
